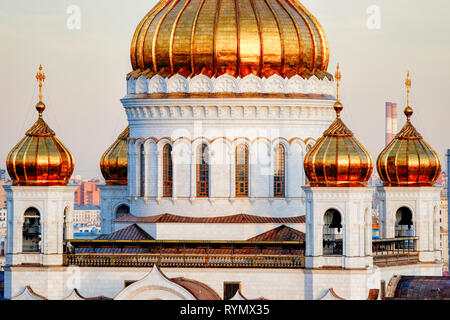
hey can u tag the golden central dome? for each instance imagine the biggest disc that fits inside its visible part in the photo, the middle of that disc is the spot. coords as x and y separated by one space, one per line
114 162
40 159
238 37
338 159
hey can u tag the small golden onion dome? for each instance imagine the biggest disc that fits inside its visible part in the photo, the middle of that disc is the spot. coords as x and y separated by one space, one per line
40 159
338 159
238 37
408 160
114 162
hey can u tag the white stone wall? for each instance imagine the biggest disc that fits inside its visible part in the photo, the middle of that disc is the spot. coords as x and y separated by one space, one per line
283 284
112 197
355 206
207 231
51 202
424 203
227 83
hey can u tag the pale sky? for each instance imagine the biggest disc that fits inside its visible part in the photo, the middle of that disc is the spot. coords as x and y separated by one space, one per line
86 69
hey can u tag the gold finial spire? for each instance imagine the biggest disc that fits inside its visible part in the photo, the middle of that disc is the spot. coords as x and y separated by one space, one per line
338 105
40 77
408 111
338 77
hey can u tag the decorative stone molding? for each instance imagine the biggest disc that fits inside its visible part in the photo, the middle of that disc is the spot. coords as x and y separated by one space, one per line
155 285
230 84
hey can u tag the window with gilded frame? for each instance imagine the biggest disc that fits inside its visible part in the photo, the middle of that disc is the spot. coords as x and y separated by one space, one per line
202 171
279 176
167 171
242 172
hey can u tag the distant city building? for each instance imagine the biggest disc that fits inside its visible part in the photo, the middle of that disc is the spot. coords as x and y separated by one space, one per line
444 231
443 181
87 194
3 216
2 194
3 175
391 121
86 215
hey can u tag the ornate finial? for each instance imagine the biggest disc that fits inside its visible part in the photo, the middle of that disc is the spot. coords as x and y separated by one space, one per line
338 105
337 76
408 87
408 111
40 77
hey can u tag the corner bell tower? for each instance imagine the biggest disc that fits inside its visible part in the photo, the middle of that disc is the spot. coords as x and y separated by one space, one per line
338 203
40 203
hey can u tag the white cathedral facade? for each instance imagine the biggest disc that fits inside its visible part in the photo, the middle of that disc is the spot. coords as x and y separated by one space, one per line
236 177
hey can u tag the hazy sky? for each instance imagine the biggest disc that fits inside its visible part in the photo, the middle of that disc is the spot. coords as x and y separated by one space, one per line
86 68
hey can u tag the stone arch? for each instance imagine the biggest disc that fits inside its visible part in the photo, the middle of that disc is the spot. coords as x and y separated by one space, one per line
333 232
121 210
404 222
31 231
66 222
155 286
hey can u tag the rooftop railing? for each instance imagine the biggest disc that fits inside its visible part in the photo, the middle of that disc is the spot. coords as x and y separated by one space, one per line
395 251
171 260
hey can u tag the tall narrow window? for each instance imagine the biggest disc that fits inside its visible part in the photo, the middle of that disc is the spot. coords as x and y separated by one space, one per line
66 212
142 159
279 172
31 231
332 233
167 171
242 171
202 171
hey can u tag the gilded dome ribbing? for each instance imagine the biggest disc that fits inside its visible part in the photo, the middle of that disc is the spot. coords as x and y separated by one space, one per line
114 162
238 37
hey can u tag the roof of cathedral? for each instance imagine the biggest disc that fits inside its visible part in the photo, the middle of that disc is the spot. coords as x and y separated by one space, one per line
114 162
238 218
338 159
133 232
408 160
226 36
40 159
419 288
282 233
198 289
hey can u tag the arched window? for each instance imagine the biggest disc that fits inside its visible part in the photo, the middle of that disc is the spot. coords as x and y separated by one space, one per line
122 210
404 223
66 212
167 171
142 173
332 233
242 171
279 176
31 231
202 171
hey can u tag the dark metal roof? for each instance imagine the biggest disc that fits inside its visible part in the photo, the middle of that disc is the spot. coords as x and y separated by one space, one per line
422 288
239 218
282 233
133 232
198 289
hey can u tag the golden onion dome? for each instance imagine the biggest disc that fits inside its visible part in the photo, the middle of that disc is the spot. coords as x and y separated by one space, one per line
114 162
408 160
40 159
238 37
338 159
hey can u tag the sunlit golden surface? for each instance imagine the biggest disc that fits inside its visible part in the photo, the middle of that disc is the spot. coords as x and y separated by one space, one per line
114 162
40 159
238 37
338 159
408 160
